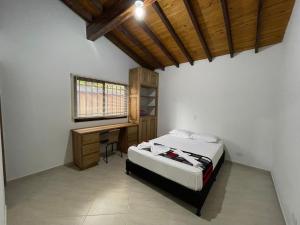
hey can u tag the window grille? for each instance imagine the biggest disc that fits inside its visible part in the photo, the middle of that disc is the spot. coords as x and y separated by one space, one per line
96 99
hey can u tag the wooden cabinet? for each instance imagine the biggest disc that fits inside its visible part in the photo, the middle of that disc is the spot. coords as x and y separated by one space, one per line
86 149
143 98
143 129
148 77
132 134
144 78
147 128
128 137
152 80
152 127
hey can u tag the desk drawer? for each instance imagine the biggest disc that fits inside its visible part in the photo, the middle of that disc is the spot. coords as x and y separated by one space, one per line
90 138
90 148
90 160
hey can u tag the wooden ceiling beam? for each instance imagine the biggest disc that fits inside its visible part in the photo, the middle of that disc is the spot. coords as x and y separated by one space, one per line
98 5
227 26
155 39
172 31
110 19
197 27
138 43
128 51
79 10
258 25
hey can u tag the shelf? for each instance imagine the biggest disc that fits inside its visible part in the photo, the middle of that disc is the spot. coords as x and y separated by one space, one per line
148 86
148 116
143 96
148 106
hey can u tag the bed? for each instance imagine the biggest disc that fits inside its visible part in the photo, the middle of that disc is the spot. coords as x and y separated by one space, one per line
179 179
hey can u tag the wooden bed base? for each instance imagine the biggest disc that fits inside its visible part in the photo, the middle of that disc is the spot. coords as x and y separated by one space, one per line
195 198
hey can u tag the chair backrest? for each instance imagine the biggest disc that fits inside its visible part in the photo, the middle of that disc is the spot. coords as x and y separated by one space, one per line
113 136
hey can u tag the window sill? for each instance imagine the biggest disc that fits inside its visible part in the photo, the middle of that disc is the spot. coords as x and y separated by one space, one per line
78 120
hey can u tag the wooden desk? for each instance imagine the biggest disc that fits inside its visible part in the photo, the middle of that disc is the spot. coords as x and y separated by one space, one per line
86 142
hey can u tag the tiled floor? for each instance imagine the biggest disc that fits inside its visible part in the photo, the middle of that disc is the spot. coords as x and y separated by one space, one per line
105 195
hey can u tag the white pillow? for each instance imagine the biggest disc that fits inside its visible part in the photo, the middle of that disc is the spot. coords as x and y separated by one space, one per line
181 133
205 138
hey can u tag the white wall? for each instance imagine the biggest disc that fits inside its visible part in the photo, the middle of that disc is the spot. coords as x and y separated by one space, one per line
41 43
286 167
1 83
251 100
2 197
232 98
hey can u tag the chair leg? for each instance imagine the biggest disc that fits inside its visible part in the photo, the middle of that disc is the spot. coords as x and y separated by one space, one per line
198 213
106 148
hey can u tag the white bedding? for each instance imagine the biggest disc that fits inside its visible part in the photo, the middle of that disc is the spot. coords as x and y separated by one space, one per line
213 151
186 175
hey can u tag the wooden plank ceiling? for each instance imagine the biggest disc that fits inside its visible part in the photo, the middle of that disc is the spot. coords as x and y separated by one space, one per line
179 31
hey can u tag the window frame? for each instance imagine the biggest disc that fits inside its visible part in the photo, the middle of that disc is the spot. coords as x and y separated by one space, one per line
76 119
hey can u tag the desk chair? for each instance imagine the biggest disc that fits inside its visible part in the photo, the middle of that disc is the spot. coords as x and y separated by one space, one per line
112 139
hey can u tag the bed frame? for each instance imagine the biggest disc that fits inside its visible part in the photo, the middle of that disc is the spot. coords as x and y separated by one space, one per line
195 198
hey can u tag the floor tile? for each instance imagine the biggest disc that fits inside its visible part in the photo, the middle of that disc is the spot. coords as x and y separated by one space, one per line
105 195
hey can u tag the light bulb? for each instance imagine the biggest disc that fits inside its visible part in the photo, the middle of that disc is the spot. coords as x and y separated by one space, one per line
139 10
139 13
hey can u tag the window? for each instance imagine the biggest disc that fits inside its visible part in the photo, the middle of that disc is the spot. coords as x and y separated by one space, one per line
95 99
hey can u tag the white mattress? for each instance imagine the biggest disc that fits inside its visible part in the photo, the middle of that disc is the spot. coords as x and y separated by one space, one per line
186 175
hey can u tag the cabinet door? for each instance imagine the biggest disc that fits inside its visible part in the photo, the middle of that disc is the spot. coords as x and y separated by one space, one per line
145 77
134 106
151 126
152 80
143 130
148 78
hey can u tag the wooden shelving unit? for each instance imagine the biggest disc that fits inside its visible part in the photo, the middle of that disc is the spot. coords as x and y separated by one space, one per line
148 102
143 99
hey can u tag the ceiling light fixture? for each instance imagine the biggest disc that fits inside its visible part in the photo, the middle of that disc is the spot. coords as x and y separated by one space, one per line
139 13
